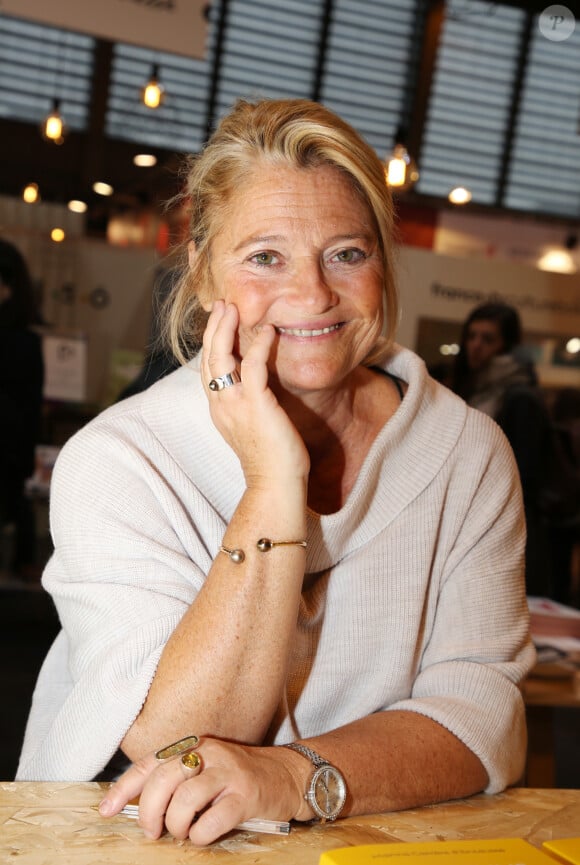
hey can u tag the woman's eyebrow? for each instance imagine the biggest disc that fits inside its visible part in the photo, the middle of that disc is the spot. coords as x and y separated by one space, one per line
258 238
277 238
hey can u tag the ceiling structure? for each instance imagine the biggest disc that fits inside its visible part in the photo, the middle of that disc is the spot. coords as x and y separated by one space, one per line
485 94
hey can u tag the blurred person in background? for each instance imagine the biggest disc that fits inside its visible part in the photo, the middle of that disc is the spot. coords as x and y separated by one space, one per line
493 373
21 384
566 534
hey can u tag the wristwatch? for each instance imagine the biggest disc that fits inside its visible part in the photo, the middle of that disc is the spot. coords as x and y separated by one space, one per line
326 792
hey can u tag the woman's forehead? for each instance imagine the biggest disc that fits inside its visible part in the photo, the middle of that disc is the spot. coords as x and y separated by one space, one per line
269 191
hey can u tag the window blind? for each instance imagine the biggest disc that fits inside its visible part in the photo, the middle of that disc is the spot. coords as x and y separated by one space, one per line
39 64
470 102
544 172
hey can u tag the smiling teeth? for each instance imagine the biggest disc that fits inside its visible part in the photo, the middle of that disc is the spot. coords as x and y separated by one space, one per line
298 331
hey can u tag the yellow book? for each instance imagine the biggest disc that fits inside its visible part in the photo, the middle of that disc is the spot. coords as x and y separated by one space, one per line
565 849
496 851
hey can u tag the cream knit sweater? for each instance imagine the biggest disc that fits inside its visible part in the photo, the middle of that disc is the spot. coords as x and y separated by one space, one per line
413 597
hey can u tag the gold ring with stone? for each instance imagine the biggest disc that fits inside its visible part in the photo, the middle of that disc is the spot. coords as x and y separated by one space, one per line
190 762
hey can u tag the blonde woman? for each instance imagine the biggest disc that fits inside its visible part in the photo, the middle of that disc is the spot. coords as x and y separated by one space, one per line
296 539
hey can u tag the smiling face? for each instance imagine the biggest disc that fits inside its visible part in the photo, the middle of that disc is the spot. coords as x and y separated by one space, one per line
299 250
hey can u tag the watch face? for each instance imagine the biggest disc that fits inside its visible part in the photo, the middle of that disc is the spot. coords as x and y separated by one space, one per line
328 792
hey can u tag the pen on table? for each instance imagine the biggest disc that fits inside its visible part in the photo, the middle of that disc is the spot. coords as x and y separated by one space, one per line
269 827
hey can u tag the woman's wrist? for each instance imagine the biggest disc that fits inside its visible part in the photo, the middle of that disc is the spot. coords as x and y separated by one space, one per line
276 501
297 774
285 483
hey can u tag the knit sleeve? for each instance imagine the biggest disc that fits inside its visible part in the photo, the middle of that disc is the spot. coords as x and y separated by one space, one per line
130 557
479 648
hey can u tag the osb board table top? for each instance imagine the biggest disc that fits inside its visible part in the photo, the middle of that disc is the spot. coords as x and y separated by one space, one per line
49 824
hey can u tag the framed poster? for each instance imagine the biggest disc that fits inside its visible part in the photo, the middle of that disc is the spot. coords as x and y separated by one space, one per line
65 367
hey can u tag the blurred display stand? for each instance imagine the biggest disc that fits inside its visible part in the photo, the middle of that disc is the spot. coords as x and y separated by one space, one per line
552 696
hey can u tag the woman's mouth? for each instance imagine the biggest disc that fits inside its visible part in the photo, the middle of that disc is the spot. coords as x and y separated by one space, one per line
306 332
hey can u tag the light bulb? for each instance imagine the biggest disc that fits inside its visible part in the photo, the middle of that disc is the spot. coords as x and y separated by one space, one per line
77 206
102 188
144 160
153 94
401 172
53 128
30 193
396 171
459 195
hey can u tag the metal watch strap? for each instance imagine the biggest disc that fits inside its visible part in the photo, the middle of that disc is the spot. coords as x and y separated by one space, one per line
322 767
316 760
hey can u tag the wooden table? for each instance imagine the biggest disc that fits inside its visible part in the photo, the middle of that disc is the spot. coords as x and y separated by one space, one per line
46 824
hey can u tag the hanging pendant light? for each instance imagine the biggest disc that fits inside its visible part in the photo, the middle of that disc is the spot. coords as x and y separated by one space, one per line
53 127
153 93
401 169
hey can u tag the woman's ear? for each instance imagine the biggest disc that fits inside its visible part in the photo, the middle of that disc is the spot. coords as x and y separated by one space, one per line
204 292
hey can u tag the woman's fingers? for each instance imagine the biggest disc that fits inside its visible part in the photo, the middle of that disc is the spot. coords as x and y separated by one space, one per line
255 362
207 793
219 340
167 782
199 796
219 345
154 782
128 786
222 817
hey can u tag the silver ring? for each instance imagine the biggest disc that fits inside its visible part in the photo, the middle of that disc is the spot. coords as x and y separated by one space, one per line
227 380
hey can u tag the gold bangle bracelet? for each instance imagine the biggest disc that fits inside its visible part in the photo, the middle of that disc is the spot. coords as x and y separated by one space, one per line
264 545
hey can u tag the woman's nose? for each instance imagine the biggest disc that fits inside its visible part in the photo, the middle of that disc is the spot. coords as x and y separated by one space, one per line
310 288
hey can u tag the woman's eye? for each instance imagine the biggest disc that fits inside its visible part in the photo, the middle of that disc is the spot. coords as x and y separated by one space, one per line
350 256
264 258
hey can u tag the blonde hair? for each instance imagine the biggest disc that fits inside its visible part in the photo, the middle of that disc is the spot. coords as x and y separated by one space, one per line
298 133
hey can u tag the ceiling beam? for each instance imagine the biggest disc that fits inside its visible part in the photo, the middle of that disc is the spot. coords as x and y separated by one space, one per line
420 91
323 36
221 27
513 113
92 168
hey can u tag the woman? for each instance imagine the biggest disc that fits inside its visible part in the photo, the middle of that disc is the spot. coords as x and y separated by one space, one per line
296 536
493 375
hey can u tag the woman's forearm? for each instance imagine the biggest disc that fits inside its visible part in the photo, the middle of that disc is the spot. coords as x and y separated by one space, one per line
222 672
392 761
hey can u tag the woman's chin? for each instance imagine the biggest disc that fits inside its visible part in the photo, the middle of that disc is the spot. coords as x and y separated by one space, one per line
311 378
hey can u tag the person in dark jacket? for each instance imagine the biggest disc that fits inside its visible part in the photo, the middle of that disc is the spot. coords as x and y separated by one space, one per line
566 534
493 374
21 384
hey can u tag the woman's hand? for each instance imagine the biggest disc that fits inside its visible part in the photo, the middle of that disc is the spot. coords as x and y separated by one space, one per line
233 783
247 414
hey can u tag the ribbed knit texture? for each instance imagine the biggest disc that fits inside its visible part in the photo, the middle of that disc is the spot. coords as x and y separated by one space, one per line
413 597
